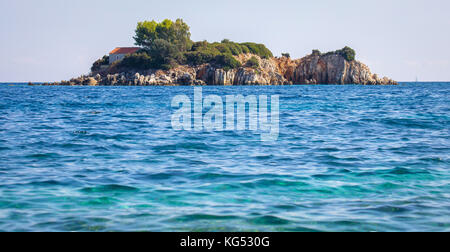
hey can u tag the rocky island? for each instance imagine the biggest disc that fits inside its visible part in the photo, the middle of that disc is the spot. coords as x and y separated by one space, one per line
167 56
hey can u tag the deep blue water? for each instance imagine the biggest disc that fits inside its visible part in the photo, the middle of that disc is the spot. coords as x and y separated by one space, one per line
348 158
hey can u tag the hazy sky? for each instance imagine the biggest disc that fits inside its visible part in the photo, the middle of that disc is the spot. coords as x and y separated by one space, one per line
52 40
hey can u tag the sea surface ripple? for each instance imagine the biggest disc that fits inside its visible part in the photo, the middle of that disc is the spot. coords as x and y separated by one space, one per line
349 158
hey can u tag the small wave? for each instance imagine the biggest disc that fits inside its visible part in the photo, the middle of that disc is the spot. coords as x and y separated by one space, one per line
264 157
110 189
433 160
389 186
409 123
43 156
161 176
262 183
302 230
221 176
340 164
100 201
137 215
285 207
354 124
73 146
293 126
118 137
401 171
269 220
328 149
180 146
200 217
325 176
389 209
48 183
328 157
138 122
93 112
120 147
191 161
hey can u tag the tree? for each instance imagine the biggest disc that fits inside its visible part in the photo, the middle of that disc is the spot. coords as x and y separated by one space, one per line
348 53
164 53
146 33
176 33
180 35
164 42
286 55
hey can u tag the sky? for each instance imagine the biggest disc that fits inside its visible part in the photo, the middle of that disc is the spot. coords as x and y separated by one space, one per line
53 40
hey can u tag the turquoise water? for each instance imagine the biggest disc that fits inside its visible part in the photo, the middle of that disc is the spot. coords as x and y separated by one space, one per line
348 158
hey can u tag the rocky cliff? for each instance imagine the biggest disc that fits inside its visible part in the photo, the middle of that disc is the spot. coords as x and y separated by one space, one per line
313 69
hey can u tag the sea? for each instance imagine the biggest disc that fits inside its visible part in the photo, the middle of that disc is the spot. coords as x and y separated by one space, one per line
347 158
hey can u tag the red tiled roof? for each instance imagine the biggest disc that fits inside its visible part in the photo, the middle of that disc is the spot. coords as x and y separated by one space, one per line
124 50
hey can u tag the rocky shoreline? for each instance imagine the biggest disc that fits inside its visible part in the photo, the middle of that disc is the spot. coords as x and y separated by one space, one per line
313 69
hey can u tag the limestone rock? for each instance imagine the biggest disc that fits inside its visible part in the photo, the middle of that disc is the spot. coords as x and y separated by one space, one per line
312 69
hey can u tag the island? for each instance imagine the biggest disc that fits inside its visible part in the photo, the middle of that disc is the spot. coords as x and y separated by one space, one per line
165 55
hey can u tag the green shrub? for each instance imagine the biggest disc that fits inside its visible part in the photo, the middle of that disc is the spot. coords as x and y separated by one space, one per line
99 63
164 53
230 47
253 62
221 53
223 48
234 48
316 53
197 46
139 60
244 49
259 49
200 57
227 62
348 53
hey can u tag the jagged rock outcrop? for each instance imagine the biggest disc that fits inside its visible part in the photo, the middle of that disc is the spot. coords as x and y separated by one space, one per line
312 69
331 69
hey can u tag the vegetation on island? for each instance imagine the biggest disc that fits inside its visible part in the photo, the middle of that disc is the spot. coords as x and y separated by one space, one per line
316 53
253 62
167 44
99 63
348 53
